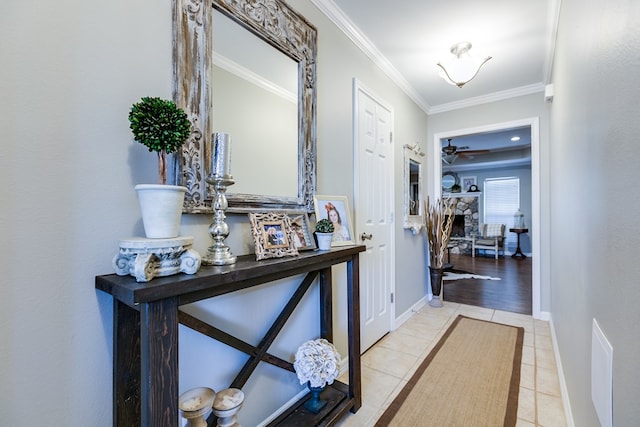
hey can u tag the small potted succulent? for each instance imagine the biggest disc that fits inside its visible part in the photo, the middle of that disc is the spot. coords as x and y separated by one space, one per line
162 127
324 233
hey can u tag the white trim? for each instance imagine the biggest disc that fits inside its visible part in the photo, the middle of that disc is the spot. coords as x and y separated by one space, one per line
552 21
564 391
485 99
535 229
422 302
342 21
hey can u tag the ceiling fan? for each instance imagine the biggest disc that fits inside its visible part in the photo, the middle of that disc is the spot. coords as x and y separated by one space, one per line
451 152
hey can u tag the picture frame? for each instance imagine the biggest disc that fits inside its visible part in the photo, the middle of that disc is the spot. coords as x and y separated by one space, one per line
301 228
468 181
336 209
272 235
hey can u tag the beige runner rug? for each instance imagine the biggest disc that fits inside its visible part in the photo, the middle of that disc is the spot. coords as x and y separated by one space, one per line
470 378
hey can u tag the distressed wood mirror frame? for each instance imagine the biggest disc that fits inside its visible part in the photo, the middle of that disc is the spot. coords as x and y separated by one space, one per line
280 26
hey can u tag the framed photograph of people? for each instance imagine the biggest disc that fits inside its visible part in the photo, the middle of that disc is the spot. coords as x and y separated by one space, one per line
301 230
336 209
467 182
272 235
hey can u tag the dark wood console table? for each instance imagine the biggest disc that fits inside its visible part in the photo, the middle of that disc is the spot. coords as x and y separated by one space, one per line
145 329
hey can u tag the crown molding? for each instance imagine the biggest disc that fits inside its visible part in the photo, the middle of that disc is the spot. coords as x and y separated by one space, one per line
338 17
552 22
342 21
485 99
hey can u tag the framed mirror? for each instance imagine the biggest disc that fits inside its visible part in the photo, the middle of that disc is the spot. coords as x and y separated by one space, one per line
449 180
413 201
229 60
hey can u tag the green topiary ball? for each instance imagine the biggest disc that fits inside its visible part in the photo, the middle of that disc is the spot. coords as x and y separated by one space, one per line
159 124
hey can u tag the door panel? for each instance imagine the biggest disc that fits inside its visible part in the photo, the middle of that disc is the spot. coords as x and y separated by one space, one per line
374 214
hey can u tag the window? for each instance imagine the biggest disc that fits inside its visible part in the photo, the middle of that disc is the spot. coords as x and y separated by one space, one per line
501 201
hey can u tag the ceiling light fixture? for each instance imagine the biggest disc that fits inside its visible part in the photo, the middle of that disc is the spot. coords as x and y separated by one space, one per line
463 68
515 138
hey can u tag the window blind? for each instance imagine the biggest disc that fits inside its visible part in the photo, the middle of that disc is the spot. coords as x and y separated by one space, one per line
501 201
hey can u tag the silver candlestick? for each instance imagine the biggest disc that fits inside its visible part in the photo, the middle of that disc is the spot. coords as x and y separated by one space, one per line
219 253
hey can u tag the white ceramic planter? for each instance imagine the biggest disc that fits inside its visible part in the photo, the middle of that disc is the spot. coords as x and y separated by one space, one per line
161 207
324 241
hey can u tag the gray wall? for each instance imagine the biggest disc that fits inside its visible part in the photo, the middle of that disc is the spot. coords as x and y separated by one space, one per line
70 72
594 165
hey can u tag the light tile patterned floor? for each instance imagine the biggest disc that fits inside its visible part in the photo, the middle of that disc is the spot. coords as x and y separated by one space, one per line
388 365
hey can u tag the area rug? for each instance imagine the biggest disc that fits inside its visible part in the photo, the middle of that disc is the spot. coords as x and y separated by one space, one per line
448 275
470 378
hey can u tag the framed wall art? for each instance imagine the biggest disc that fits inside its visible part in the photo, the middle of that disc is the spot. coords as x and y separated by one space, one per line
272 235
301 229
467 182
336 209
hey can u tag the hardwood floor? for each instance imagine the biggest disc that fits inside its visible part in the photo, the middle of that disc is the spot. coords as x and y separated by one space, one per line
512 293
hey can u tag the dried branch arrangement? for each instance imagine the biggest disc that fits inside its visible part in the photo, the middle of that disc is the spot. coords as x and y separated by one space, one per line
439 220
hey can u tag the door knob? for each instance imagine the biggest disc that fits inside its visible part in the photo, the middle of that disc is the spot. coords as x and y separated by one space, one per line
365 236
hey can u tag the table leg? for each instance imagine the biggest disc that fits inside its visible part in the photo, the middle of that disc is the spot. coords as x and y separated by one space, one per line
126 365
353 327
518 251
159 368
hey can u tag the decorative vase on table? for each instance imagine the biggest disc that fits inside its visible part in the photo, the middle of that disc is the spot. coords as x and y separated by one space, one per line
439 221
317 365
435 275
315 404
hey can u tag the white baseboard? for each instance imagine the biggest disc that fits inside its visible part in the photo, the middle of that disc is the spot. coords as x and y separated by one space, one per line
563 385
398 321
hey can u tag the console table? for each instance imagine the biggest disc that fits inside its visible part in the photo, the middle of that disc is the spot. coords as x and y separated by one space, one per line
145 329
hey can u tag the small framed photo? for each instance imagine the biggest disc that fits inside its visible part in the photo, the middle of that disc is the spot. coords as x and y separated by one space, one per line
336 209
467 182
272 235
301 229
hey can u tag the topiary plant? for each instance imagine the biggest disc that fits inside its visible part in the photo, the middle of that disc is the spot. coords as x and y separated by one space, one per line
161 126
324 226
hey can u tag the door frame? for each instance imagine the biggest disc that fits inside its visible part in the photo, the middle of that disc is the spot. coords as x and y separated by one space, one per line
358 86
535 231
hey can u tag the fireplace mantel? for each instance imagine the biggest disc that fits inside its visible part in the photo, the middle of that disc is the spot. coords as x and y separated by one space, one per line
459 195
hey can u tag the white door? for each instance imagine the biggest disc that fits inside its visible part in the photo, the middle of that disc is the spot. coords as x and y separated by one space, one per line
374 212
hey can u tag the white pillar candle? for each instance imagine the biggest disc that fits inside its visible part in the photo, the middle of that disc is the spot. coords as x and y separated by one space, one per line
221 155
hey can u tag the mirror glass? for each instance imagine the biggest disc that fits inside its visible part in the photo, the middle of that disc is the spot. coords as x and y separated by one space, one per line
255 101
413 202
414 187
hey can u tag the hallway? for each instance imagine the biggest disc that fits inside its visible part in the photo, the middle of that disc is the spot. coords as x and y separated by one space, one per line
387 366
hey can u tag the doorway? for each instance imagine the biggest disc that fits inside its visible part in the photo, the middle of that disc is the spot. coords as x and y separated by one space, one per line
534 230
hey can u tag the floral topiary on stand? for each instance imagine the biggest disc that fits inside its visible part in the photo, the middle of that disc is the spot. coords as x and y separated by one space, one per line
162 127
317 364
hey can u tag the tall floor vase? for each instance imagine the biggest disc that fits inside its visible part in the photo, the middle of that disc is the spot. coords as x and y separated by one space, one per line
436 286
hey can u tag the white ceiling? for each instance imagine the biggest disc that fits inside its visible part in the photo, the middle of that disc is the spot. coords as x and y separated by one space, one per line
411 36
407 38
